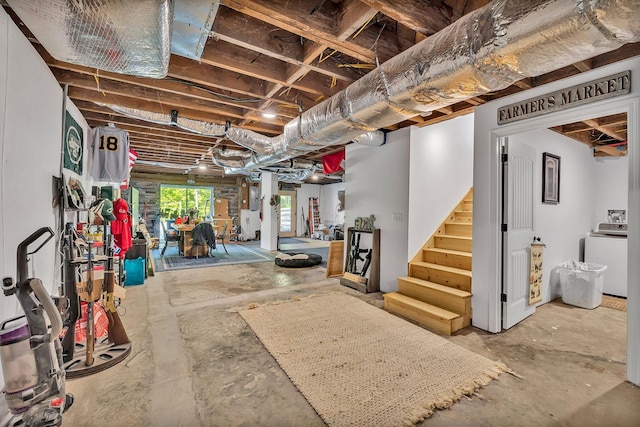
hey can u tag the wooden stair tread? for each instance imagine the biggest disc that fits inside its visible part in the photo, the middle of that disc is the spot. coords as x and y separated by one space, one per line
451 236
422 306
436 286
458 223
449 251
455 270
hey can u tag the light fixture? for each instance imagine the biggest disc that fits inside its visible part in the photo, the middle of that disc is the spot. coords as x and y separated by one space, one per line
202 167
268 115
315 177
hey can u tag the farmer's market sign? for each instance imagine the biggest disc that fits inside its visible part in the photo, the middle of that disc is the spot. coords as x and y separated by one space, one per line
595 90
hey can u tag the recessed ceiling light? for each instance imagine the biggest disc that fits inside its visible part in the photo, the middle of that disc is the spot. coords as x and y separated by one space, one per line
315 177
202 167
267 115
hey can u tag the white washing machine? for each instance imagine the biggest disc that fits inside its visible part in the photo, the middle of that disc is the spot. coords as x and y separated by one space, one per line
608 246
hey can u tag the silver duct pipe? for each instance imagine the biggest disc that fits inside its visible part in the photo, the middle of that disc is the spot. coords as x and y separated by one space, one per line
484 51
127 37
195 126
165 165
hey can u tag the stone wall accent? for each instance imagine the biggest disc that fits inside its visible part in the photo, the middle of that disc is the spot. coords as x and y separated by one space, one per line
230 193
149 193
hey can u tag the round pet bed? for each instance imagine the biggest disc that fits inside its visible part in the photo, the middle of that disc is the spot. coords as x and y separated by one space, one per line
293 260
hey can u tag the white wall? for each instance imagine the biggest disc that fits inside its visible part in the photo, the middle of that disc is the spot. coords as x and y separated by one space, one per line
269 225
303 193
440 174
30 145
612 187
377 182
486 234
31 102
562 227
329 204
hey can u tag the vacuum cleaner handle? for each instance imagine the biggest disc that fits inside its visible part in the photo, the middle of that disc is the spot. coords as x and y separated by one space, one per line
22 270
49 307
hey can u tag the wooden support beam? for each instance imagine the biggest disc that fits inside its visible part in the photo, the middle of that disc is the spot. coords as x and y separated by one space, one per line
424 17
606 130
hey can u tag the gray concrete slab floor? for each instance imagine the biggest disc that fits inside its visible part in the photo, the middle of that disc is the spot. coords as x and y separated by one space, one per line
195 362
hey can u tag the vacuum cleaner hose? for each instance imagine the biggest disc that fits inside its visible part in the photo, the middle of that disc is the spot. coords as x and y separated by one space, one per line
49 307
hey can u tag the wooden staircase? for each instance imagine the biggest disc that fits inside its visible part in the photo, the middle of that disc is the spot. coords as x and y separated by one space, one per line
437 292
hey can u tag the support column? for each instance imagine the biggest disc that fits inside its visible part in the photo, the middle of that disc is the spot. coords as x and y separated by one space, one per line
269 225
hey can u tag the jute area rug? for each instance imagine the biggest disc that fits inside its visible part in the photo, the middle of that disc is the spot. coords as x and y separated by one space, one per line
358 365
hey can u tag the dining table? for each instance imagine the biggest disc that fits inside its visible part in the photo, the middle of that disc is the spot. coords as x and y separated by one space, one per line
186 240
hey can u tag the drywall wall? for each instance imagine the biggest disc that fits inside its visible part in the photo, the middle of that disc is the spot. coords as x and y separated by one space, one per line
486 237
329 204
31 102
377 183
486 232
561 227
611 187
440 174
30 146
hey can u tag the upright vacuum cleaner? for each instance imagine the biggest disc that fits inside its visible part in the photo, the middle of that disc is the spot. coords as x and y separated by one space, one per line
30 349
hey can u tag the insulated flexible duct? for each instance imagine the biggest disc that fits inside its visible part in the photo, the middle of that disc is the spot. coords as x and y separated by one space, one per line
127 37
484 51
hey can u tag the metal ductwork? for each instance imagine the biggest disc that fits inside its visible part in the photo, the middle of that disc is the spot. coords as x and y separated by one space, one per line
195 126
127 37
484 51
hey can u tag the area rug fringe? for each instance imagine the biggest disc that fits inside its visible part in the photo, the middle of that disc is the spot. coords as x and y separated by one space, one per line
447 402
358 365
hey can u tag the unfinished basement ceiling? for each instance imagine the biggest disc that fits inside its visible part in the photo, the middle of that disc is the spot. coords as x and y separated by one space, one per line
271 56
607 136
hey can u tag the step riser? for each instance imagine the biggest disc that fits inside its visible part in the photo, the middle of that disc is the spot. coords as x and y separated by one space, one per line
446 278
440 325
436 297
467 206
453 244
464 217
464 230
450 260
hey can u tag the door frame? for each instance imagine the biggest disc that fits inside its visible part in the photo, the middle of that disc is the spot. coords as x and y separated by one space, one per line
489 294
294 217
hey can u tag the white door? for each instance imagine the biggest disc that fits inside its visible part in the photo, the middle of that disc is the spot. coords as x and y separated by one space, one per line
287 223
518 215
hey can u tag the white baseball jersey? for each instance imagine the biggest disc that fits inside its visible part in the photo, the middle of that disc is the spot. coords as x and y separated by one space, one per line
110 154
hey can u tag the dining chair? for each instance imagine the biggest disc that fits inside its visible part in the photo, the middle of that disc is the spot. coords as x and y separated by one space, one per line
170 235
223 235
203 236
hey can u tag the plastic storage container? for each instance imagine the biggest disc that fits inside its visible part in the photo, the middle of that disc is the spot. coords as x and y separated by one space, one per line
135 271
582 283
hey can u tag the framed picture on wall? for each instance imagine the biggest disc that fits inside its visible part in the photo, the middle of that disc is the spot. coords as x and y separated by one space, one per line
550 178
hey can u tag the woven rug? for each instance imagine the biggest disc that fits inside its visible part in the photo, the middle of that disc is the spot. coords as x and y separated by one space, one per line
619 304
358 365
238 254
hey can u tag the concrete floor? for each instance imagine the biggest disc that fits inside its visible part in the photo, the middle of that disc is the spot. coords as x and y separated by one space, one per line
196 363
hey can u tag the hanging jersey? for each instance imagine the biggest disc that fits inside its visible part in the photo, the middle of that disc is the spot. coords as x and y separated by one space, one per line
110 154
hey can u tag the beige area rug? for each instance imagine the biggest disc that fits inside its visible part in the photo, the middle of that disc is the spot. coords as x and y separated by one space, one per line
619 304
358 365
